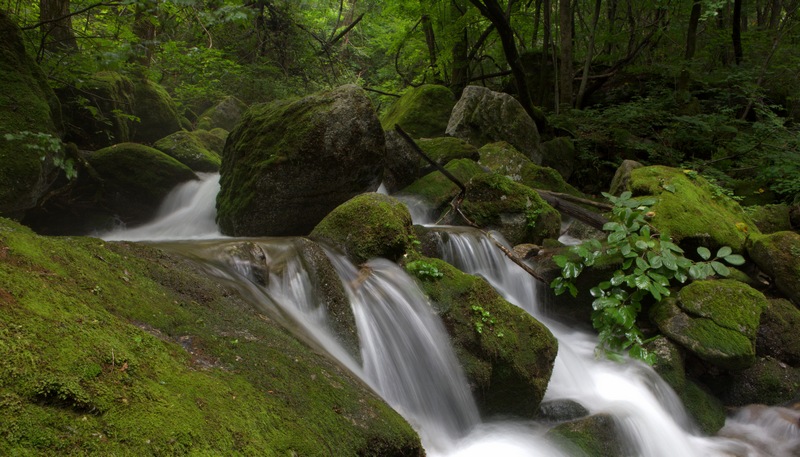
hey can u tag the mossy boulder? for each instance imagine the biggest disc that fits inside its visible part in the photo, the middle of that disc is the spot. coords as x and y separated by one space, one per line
27 104
483 116
157 113
189 149
778 255
622 177
225 114
506 160
777 335
560 155
422 111
768 382
369 225
495 202
706 409
101 112
507 355
136 178
436 189
691 210
289 163
597 435
770 218
123 349
404 165
212 140
716 320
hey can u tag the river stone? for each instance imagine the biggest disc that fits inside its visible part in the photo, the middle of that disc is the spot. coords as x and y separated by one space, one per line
776 334
437 190
225 114
289 163
507 354
422 111
597 435
506 160
157 113
404 165
690 209
778 255
715 320
367 226
189 149
483 116
27 104
559 154
768 382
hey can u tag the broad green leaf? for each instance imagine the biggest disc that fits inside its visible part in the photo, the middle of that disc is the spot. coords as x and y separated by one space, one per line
734 259
655 292
605 302
642 282
627 263
724 251
617 280
616 237
669 188
681 276
612 226
704 253
605 285
645 231
655 260
641 245
720 268
625 195
659 278
596 292
696 272
625 249
560 260
571 270
641 263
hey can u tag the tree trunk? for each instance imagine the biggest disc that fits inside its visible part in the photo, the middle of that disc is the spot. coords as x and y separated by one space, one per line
775 14
144 28
736 25
566 72
459 77
57 34
691 44
430 40
587 64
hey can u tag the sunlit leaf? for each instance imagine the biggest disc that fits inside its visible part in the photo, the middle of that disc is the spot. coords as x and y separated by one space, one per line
704 253
724 251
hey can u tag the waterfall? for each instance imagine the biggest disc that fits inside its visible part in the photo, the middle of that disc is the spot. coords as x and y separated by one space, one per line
407 358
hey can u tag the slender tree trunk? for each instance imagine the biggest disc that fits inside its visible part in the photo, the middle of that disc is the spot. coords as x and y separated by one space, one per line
566 72
691 44
57 25
611 19
537 18
544 76
144 28
460 75
587 64
736 35
775 14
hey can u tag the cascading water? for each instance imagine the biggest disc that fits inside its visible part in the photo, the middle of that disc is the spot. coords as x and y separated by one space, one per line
408 360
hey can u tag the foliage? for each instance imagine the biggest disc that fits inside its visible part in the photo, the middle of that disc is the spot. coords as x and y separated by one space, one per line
650 261
47 147
423 270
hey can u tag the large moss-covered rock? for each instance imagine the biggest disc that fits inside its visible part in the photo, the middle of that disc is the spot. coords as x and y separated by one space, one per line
136 178
690 210
715 320
404 165
369 225
559 154
122 349
495 202
27 104
225 114
622 177
506 160
289 163
778 255
597 435
213 140
422 111
768 382
101 112
507 355
157 113
483 116
436 189
777 335
770 218
189 149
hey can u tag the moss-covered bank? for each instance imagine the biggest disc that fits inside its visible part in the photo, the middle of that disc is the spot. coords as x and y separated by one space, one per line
119 349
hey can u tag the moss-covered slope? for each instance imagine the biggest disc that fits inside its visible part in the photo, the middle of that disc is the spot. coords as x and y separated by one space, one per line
117 349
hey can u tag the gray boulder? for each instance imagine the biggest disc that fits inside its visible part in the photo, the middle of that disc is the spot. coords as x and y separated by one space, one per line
289 163
778 255
224 114
483 116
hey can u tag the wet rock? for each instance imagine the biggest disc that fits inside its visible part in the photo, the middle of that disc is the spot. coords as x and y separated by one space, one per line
778 255
404 165
597 435
422 111
289 163
777 334
157 113
561 411
559 154
504 159
770 218
225 114
622 178
768 381
483 116
188 149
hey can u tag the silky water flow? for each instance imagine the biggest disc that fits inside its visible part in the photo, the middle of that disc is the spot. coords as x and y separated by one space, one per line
405 355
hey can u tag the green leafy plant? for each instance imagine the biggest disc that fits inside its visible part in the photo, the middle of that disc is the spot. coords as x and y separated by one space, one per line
423 270
46 145
482 319
649 262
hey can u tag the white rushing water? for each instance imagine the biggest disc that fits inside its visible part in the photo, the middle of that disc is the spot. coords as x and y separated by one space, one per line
406 356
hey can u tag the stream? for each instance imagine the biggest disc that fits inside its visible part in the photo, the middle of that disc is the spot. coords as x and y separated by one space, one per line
406 357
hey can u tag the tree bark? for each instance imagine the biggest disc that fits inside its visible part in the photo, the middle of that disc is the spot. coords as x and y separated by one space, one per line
587 64
691 44
56 23
460 74
736 32
566 72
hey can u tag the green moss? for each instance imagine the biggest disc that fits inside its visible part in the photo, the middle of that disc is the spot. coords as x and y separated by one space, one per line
669 362
593 436
188 149
157 113
777 336
422 111
693 211
212 140
26 104
507 354
369 225
121 349
113 96
224 114
506 160
444 149
778 255
770 218
767 382
436 189
139 171
518 212
729 303
706 410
